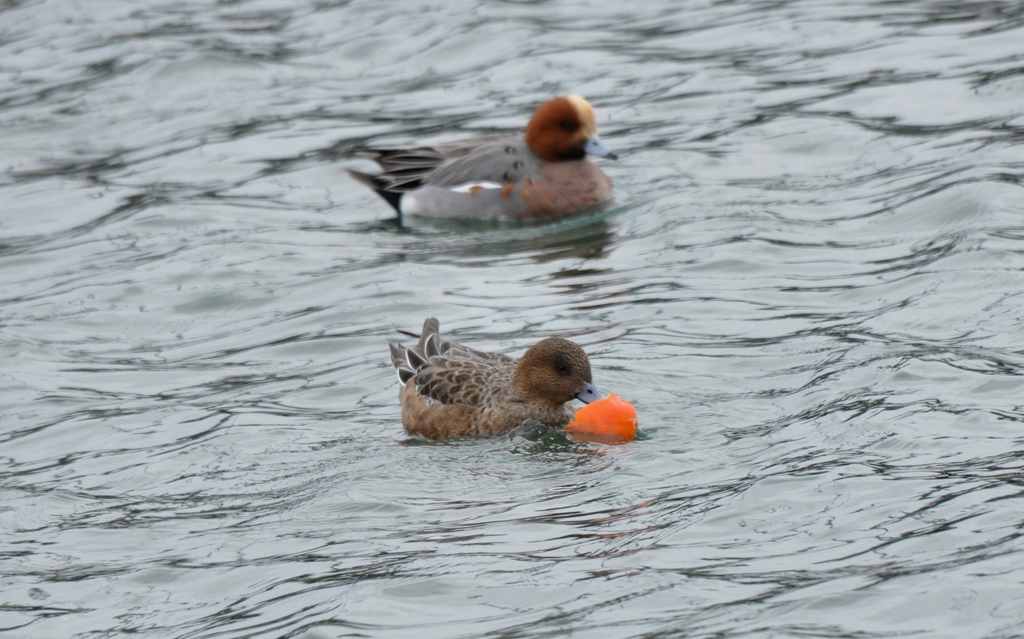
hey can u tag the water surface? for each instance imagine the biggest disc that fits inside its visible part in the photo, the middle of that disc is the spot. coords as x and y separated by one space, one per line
810 285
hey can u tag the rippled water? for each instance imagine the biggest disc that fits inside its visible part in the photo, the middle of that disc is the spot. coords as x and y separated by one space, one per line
810 284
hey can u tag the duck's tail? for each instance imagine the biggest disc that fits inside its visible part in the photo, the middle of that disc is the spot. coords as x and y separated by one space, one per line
380 186
409 361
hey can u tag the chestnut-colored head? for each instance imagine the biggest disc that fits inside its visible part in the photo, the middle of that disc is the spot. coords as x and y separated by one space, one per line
553 372
560 129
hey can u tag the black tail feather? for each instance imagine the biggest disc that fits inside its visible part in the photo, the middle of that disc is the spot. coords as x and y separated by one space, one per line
379 187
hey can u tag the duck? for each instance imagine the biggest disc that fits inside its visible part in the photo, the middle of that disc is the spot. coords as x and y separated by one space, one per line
450 390
544 173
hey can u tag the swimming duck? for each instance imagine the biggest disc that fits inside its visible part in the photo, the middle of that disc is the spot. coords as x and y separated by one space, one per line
544 173
451 390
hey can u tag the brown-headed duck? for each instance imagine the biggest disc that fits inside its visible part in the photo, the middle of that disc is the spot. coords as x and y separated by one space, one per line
543 174
451 390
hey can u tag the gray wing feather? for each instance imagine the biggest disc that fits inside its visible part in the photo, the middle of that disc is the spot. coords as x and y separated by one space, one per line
501 162
499 159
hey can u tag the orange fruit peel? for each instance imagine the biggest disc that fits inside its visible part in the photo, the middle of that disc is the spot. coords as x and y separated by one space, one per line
611 420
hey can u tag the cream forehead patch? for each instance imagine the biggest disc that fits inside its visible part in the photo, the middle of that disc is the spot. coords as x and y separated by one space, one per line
585 113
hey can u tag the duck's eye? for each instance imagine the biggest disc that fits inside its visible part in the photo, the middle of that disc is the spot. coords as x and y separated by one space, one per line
568 126
562 368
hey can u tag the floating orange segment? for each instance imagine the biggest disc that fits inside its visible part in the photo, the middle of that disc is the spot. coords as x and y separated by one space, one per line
608 420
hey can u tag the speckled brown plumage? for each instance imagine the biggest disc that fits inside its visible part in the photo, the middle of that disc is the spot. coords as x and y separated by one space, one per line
451 390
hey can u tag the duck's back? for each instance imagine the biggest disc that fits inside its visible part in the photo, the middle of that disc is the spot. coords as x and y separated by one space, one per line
500 161
451 390
496 158
475 181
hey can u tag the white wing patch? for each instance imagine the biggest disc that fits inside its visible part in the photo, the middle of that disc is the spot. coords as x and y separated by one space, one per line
470 187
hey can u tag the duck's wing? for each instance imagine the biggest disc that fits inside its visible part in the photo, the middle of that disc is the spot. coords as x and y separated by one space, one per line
462 381
493 159
449 372
492 165
404 169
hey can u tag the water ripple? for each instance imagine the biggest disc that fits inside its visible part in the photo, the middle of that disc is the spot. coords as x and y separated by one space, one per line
808 283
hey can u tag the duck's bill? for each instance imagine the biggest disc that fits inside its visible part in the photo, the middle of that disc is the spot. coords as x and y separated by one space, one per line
589 393
596 147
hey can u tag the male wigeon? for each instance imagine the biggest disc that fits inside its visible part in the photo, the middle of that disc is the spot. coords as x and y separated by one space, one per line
543 174
451 390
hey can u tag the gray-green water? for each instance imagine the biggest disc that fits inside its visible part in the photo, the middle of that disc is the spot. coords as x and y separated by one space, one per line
810 284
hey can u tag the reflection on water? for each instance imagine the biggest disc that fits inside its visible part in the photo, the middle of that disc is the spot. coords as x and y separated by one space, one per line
809 284
585 237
